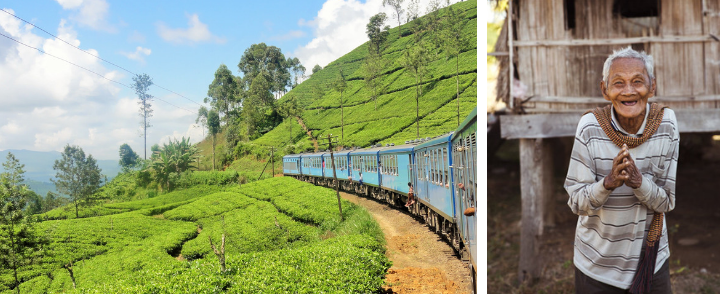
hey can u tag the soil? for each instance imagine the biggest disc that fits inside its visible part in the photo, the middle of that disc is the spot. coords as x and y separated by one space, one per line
422 261
308 132
694 267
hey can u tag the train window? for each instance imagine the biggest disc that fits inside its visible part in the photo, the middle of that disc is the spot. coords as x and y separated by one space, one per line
397 166
445 166
434 166
431 166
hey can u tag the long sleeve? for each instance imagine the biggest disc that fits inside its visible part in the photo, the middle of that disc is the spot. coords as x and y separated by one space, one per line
586 193
657 190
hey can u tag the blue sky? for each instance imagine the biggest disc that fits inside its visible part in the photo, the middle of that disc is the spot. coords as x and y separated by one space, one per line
48 103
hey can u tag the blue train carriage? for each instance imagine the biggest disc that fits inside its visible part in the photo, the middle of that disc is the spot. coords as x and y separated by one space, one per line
341 167
291 165
464 154
395 166
312 167
365 164
433 180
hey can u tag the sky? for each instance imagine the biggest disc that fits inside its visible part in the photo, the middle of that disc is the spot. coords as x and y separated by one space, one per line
47 103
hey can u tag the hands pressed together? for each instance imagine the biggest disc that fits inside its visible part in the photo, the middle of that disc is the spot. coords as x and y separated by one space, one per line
623 171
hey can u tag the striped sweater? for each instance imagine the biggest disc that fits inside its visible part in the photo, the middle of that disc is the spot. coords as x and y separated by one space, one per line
612 225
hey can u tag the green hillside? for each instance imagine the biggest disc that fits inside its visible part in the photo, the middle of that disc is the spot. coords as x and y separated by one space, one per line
282 236
394 119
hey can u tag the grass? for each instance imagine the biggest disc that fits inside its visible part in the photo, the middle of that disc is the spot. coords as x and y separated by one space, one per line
136 249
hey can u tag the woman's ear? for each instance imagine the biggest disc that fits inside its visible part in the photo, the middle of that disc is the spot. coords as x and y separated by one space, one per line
603 90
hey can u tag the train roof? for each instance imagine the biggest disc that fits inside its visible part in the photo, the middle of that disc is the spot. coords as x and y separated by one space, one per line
371 150
399 148
469 120
435 141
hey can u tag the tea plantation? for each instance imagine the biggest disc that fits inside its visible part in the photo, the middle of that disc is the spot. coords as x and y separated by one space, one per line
393 121
281 236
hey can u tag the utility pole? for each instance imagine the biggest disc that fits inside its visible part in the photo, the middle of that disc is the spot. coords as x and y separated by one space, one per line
330 138
272 158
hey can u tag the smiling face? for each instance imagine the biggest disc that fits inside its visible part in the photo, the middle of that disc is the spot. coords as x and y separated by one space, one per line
629 88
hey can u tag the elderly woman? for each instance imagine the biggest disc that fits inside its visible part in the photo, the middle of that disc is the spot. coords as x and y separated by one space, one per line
621 181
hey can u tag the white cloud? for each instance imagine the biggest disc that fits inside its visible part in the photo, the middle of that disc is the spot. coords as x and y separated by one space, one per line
138 55
196 32
91 13
48 103
339 27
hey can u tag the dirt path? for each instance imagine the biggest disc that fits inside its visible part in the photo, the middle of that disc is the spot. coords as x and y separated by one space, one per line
422 261
302 124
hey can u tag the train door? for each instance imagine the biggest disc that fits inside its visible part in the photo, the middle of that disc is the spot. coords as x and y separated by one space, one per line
411 172
426 164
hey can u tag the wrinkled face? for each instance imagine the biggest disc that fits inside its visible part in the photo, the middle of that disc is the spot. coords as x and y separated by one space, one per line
629 87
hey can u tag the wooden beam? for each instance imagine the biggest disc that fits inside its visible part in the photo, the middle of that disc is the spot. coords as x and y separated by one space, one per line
586 100
535 184
613 41
551 125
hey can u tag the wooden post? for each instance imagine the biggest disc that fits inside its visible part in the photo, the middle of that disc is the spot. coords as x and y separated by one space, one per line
332 162
511 76
536 189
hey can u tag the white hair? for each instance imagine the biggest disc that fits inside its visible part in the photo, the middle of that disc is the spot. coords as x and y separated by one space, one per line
629 53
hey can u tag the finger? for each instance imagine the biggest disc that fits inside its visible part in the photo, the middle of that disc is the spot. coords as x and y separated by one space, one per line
622 151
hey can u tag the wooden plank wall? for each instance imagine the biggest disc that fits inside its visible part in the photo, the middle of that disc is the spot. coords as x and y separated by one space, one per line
541 20
679 68
682 69
711 25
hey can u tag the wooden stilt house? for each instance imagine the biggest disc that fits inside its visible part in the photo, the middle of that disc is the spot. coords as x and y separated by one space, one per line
558 48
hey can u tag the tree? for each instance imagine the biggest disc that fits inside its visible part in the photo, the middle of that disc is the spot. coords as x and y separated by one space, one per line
397 6
175 157
415 60
340 85
297 69
202 118
372 69
318 92
316 68
258 102
52 201
454 41
413 10
290 109
214 128
141 86
268 61
77 177
20 243
377 33
128 157
223 92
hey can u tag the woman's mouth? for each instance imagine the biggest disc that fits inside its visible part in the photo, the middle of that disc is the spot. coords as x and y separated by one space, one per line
629 103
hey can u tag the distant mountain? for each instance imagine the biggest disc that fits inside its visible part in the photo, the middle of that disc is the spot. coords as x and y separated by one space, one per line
40 188
39 168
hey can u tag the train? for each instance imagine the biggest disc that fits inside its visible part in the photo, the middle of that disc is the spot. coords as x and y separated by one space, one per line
442 170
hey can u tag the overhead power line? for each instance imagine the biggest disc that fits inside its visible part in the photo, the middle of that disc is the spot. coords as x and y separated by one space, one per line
93 55
89 70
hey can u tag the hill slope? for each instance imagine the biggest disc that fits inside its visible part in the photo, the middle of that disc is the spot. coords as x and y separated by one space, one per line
394 119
